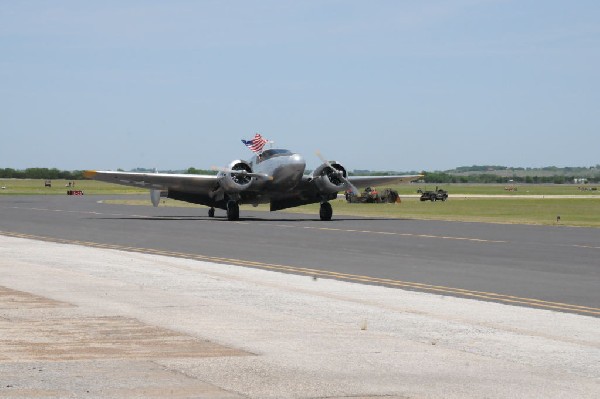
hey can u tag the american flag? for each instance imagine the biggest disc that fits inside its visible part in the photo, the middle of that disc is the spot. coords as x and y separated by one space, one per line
256 144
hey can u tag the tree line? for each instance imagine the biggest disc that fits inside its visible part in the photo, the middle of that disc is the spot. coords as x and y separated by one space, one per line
429 177
491 168
441 177
41 173
54 174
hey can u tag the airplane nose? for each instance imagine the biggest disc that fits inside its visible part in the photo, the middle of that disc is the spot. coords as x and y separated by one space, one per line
299 162
288 175
297 169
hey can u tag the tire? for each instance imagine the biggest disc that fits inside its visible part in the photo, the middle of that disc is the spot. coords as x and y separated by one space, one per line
211 213
233 210
326 212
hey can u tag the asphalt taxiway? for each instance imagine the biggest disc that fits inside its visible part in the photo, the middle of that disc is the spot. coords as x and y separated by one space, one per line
551 267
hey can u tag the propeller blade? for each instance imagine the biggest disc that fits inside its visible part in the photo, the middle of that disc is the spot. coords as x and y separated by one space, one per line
322 158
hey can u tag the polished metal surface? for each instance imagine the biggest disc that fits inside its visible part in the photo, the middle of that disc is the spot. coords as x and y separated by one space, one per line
275 176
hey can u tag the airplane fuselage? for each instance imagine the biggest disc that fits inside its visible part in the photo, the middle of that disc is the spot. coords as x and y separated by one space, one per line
284 167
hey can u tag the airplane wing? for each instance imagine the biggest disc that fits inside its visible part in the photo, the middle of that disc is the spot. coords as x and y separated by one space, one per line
158 181
369 181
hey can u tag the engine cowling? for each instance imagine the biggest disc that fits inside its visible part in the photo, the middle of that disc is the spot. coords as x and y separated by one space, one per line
234 179
327 178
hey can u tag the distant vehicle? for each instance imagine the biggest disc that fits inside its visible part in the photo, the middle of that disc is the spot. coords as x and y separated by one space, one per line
437 195
47 183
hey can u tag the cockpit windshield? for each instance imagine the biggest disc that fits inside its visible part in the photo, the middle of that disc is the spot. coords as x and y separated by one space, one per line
268 154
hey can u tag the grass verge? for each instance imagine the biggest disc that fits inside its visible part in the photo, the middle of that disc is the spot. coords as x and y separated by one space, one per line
583 212
572 211
60 187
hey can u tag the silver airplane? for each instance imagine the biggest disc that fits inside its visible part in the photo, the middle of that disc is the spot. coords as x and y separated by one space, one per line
275 177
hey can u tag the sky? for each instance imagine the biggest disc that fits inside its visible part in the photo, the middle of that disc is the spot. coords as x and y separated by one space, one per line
376 85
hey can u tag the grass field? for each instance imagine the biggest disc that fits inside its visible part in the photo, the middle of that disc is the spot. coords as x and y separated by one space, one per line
36 187
573 212
59 187
499 189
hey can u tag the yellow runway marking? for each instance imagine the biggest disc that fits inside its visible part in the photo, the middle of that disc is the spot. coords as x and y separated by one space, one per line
442 290
586 246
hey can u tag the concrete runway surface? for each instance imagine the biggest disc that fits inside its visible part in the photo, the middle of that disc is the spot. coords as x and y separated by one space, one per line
77 321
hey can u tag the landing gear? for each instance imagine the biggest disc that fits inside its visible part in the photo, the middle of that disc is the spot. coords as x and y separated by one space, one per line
233 210
326 212
211 212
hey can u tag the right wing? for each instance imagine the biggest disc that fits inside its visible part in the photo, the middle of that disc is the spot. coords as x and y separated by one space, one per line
200 184
307 192
369 181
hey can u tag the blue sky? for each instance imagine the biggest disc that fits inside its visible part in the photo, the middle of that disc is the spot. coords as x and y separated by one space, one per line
380 85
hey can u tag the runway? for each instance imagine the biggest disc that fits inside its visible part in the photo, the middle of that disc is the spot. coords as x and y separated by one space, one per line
556 268
186 306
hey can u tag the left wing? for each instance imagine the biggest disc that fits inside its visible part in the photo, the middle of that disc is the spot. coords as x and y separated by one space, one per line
200 184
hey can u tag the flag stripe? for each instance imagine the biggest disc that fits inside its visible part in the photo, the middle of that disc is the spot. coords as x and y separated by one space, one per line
256 144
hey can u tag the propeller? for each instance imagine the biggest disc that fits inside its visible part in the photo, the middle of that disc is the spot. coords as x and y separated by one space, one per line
336 174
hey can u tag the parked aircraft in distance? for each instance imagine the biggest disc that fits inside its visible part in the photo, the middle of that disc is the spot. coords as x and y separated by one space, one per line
273 176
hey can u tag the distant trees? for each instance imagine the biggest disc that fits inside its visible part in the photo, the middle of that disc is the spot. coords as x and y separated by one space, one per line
503 174
442 177
40 173
429 177
194 171
479 168
53 173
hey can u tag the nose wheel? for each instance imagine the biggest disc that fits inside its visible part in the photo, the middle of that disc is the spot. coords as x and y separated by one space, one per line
211 213
326 212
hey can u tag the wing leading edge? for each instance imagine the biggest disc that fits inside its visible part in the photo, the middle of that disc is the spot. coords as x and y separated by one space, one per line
368 181
201 184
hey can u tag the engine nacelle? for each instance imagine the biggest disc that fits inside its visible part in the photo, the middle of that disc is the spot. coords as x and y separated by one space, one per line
327 178
234 179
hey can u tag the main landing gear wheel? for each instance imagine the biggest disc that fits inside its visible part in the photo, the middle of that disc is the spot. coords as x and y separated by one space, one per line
233 210
326 212
211 213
